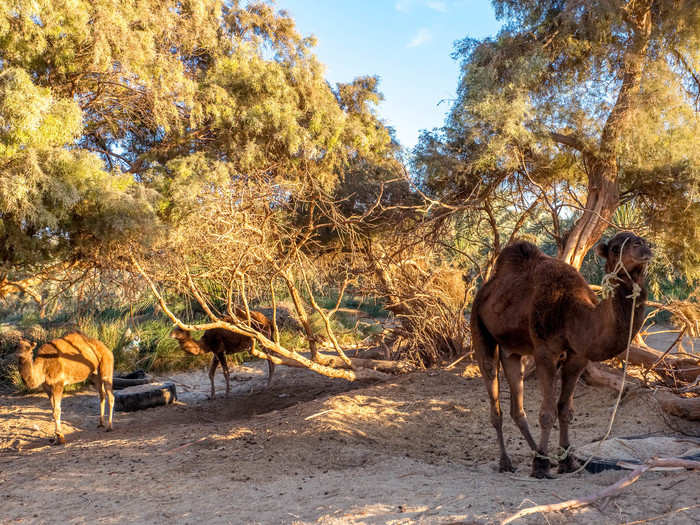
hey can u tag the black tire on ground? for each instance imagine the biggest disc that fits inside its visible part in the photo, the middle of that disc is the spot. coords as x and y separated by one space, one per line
119 383
136 374
144 396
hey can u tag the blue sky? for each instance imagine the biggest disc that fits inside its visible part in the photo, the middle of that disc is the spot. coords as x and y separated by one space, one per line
407 43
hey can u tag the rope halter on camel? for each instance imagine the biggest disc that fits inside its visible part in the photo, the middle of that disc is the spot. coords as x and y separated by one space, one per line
608 285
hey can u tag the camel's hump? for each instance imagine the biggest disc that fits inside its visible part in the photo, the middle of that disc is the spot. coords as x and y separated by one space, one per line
518 253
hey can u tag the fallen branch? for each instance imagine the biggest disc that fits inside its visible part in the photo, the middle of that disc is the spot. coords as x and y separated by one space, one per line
364 368
684 368
454 363
597 374
687 408
333 367
670 347
608 492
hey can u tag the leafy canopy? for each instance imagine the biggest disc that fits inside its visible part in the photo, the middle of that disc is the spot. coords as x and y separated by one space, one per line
116 116
565 86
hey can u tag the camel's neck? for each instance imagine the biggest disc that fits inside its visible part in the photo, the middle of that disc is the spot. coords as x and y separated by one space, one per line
610 323
191 346
32 375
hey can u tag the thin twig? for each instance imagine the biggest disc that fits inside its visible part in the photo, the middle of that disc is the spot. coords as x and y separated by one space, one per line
610 491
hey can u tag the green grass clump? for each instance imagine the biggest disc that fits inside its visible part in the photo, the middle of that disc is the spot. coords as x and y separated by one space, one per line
11 379
371 306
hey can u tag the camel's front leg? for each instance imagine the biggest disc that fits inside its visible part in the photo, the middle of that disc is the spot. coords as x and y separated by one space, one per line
570 373
546 370
55 396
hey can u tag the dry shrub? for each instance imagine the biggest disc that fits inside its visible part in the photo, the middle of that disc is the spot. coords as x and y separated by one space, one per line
428 304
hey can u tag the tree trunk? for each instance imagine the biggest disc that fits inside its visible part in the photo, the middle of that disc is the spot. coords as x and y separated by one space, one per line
603 195
303 316
602 200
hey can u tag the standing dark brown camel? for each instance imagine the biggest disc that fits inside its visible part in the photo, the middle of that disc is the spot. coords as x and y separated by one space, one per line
65 361
540 306
220 342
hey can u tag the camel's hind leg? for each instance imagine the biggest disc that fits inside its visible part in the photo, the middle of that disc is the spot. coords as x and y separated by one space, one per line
97 382
270 371
513 368
107 392
486 352
212 371
227 375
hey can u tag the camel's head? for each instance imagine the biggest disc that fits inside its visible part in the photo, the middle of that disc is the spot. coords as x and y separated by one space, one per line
184 338
634 252
179 334
25 347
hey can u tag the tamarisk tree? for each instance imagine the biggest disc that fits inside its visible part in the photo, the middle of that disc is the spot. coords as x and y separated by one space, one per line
116 117
584 106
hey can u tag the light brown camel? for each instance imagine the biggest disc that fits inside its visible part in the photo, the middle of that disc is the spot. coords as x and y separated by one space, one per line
65 361
537 305
220 342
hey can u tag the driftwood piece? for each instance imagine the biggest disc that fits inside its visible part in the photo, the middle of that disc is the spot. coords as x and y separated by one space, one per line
683 368
381 365
597 374
687 408
364 368
612 490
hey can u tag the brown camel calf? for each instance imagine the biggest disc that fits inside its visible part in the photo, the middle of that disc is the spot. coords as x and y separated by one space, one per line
220 342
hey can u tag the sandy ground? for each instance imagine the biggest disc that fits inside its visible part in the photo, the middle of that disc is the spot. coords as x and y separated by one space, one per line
414 449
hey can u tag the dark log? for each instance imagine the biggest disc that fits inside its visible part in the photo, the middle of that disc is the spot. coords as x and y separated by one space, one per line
119 383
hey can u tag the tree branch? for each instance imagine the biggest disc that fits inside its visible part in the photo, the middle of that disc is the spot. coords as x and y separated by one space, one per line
571 141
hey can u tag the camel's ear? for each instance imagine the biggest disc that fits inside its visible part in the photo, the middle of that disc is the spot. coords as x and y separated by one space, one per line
602 250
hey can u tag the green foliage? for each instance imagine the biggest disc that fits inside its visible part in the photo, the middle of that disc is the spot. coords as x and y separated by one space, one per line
116 119
563 87
372 306
55 201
